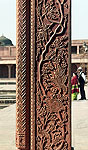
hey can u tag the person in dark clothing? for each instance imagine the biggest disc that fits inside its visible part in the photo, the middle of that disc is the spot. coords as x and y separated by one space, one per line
81 79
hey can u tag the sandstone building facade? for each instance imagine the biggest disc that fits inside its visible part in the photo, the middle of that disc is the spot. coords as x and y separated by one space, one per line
79 57
7 58
7 72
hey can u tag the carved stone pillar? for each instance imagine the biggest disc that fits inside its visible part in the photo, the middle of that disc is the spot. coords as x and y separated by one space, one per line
9 71
77 49
43 75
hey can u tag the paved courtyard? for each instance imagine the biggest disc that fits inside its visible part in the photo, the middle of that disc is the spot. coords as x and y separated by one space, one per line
8 128
80 123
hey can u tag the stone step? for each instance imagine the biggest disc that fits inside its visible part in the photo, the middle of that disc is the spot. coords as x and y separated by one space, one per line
7 90
7 97
7 94
7 101
7 83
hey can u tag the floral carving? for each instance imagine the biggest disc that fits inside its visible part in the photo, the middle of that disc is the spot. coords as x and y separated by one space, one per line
52 74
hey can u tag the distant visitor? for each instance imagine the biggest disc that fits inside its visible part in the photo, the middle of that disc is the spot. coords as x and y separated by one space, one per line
75 89
81 79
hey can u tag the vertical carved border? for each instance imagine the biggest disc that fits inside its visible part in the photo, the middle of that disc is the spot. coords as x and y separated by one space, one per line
32 73
22 74
53 40
69 77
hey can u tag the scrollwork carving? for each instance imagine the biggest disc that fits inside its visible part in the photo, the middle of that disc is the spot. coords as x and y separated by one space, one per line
52 74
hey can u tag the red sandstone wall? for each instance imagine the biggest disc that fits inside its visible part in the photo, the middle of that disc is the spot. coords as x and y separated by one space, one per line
7 51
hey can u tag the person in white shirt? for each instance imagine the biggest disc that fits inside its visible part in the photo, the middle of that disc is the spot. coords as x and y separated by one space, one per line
81 79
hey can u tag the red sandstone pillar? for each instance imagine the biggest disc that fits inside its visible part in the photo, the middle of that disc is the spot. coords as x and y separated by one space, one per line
77 49
43 116
9 71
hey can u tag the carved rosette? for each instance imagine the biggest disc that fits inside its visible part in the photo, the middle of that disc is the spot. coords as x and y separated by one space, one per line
52 70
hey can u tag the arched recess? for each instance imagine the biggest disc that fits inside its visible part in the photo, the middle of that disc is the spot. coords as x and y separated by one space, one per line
43 118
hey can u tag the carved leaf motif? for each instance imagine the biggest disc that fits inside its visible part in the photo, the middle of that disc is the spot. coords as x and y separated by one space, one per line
52 75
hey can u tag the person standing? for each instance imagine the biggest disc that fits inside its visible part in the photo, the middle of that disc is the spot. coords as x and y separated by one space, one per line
75 89
81 79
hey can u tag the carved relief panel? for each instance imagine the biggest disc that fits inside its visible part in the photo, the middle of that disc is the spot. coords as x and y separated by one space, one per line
52 70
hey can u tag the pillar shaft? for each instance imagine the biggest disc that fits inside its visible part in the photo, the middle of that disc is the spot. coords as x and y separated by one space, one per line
77 49
9 71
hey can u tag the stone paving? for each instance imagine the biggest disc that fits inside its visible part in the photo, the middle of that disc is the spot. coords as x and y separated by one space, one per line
8 128
80 123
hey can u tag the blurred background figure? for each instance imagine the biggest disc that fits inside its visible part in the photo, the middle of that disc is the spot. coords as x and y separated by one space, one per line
81 79
75 89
